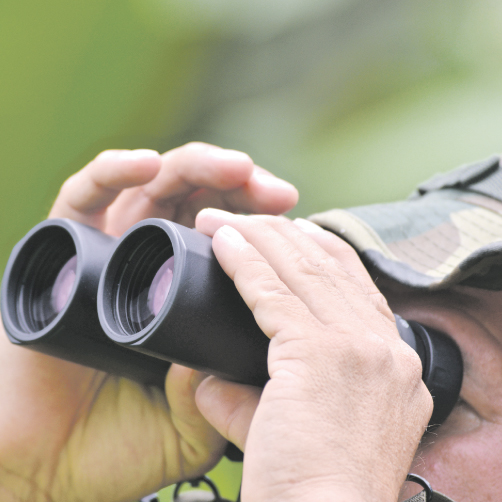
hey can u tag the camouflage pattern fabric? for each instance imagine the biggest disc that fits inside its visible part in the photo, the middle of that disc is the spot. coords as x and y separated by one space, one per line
449 231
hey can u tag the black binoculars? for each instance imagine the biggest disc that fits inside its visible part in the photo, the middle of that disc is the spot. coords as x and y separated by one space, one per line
157 295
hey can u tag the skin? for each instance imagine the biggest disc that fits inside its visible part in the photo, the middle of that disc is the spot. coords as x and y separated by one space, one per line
69 433
345 408
462 458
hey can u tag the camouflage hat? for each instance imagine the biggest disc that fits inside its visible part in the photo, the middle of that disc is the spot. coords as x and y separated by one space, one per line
449 231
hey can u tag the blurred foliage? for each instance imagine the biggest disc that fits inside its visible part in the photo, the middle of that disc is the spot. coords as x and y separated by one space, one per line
354 101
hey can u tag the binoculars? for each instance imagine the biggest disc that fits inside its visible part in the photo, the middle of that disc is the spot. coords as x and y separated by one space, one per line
157 295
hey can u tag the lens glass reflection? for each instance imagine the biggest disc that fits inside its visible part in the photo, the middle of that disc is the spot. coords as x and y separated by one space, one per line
160 287
47 268
63 285
143 278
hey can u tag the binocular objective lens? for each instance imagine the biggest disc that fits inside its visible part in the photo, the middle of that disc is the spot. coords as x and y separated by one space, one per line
139 277
42 279
160 287
64 284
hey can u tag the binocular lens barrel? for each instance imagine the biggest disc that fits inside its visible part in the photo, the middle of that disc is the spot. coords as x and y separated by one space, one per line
143 280
49 294
46 274
163 293
160 291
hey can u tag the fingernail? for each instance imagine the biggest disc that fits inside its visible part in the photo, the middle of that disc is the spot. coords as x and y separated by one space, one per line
232 235
307 226
272 182
138 154
218 213
229 155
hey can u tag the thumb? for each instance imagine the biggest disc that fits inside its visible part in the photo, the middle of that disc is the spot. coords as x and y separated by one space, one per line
229 407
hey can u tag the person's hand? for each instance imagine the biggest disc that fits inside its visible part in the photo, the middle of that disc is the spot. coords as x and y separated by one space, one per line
120 188
69 433
345 407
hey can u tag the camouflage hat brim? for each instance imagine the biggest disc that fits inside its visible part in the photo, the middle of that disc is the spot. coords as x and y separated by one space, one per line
449 232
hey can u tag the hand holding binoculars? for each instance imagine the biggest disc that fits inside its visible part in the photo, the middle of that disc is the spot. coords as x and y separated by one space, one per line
158 295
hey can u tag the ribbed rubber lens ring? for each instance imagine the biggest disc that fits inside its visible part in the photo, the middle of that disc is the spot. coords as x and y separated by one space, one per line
143 254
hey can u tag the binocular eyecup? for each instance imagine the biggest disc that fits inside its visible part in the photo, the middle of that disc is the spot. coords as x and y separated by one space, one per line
163 293
158 295
48 300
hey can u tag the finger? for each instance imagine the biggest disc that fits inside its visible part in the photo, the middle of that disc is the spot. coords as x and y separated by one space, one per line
274 306
187 174
262 193
181 384
228 407
335 246
320 244
196 432
90 191
198 165
225 175
318 279
199 175
328 242
346 254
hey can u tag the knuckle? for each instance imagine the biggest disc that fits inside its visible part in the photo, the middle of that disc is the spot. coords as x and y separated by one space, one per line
379 353
190 148
410 361
106 154
262 223
339 247
255 265
68 184
274 309
342 246
196 145
380 302
273 221
254 269
254 222
428 402
330 271
324 270
230 424
367 353
280 222
272 294
308 266
250 268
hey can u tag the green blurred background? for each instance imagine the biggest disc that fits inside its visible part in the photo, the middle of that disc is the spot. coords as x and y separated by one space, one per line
353 101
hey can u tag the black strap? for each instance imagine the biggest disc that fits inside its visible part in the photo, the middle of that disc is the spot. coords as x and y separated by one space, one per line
427 494
422 497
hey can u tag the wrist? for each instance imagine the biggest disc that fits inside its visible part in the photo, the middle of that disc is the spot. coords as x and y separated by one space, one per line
313 490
